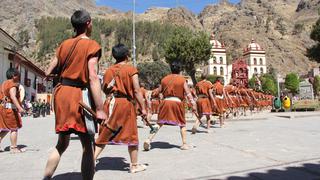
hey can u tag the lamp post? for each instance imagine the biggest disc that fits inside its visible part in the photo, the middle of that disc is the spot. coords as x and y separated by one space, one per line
134 34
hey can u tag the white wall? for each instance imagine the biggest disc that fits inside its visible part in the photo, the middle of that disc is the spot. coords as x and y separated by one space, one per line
251 66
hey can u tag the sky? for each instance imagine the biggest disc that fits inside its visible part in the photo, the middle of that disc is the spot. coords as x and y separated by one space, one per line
195 6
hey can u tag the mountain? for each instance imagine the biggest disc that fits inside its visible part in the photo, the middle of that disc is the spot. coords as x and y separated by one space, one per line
281 27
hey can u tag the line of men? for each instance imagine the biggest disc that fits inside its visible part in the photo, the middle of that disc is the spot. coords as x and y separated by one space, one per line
76 63
218 100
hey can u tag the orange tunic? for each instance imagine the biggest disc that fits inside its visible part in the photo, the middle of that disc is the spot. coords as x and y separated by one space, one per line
219 99
245 100
10 119
69 117
172 112
124 113
155 101
203 102
232 100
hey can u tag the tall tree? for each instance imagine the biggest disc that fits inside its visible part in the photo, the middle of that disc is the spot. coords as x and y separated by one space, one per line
151 73
191 48
292 82
314 51
316 85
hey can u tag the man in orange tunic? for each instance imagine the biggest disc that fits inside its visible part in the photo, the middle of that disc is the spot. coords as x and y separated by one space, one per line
172 111
219 105
155 101
122 80
10 109
77 74
204 93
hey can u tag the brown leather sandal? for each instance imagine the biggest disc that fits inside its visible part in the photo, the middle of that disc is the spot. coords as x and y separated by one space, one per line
134 168
15 149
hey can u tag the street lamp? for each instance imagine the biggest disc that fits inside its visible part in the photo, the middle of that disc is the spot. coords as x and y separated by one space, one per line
134 34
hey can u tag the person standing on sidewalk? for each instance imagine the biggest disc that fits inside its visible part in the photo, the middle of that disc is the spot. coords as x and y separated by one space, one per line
10 109
78 58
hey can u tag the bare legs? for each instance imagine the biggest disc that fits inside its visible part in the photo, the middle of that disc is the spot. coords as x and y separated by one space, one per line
197 123
87 164
133 152
2 135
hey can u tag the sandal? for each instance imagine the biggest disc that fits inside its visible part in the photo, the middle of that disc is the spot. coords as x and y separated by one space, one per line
15 149
186 147
194 130
147 145
134 168
1 150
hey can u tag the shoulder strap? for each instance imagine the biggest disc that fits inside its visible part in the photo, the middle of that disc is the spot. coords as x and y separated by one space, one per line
169 83
67 60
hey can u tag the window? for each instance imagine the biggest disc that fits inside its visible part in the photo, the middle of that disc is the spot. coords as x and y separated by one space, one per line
221 60
35 82
261 70
215 70
261 61
221 71
255 70
214 60
255 61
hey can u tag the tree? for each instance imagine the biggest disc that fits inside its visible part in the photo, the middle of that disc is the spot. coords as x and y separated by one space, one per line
316 85
268 85
213 78
191 48
151 73
292 82
252 83
314 52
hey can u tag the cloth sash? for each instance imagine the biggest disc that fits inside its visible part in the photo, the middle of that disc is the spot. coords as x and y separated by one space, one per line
10 106
172 98
89 120
202 96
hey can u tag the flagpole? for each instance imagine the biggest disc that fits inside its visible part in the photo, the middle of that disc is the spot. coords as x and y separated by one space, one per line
134 34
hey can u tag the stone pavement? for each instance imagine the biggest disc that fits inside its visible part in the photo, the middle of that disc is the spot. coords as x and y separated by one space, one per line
262 146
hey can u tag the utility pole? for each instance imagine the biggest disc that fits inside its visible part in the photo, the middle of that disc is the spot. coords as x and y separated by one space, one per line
134 34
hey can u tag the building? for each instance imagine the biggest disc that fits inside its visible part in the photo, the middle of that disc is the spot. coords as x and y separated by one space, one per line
31 76
217 64
254 58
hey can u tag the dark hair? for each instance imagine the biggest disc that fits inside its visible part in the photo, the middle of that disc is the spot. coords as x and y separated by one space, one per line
120 52
12 72
79 20
175 66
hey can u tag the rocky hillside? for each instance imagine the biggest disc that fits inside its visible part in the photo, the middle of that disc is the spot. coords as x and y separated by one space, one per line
282 27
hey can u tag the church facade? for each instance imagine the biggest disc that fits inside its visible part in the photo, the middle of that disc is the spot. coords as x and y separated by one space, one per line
252 63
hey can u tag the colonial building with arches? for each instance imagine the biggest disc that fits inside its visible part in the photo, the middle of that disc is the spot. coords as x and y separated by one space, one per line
254 58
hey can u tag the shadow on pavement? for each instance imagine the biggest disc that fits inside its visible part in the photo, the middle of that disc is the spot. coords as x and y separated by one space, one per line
308 171
198 131
163 145
69 176
20 146
112 164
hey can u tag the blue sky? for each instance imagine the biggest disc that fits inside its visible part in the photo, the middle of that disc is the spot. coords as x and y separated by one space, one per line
195 6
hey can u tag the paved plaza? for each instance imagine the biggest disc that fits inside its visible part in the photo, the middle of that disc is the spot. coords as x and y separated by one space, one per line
264 146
